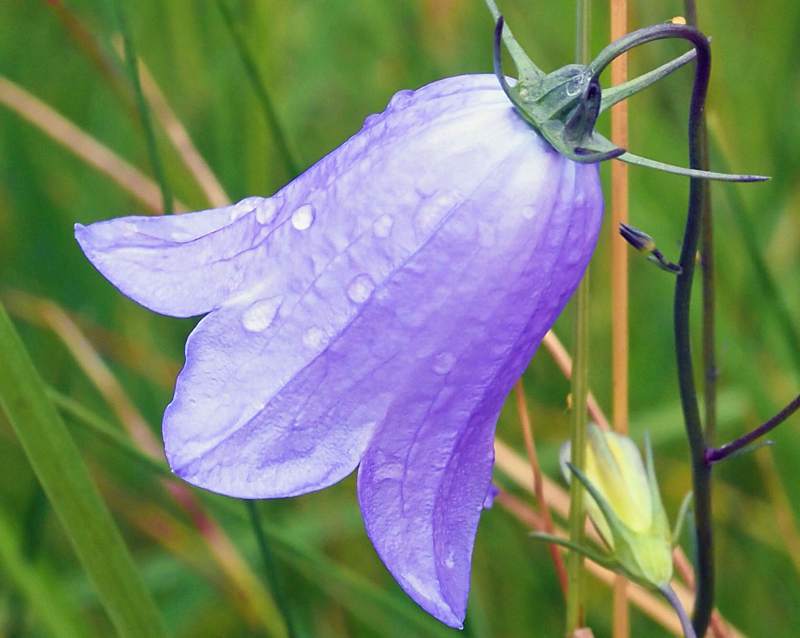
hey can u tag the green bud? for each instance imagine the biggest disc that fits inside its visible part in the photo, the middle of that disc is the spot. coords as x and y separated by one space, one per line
625 506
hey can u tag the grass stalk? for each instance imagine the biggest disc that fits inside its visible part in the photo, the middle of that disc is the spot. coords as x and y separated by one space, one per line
538 483
262 93
141 104
580 382
72 493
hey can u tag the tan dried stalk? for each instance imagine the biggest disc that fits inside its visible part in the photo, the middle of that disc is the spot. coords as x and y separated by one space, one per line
83 145
178 135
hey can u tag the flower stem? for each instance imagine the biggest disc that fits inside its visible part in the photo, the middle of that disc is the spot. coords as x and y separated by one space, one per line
580 383
701 471
270 568
714 455
709 337
672 598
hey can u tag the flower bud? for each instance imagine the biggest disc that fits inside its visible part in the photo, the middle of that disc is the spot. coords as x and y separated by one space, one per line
625 506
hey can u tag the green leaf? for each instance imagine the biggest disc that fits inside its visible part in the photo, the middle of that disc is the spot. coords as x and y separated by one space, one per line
74 497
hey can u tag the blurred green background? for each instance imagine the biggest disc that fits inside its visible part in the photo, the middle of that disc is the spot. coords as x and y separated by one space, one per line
327 64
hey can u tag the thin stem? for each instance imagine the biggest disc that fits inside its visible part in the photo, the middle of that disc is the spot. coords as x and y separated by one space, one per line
701 471
264 98
269 565
619 281
580 383
672 598
710 372
538 482
714 455
131 62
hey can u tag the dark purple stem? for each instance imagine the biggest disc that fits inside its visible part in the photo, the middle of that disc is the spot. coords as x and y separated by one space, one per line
715 454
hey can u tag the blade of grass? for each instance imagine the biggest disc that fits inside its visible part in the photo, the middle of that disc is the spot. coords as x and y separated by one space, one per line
141 104
261 605
260 89
270 567
177 134
63 474
47 603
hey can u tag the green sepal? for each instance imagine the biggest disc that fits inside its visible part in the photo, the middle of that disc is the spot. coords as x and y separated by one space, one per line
563 106
627 544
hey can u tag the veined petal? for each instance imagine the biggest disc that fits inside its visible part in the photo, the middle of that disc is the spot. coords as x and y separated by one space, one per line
402 286
356 219
479 307
182 265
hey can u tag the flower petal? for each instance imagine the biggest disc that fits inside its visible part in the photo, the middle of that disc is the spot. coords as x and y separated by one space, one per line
261 407
183 265
478 309
186 265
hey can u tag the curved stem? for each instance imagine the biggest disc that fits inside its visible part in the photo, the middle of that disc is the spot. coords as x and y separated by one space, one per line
713 455
701 471
643 36
672 598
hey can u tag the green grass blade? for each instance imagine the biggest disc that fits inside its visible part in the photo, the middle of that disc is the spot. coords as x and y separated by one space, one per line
264 99
132 63
74 497
48 603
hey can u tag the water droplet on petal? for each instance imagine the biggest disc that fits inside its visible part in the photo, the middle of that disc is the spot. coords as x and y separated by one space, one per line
259 316
382 227
266 211
181 236
303 217
443 362
313 338
360 289
128 228
433 210
529 212
244 206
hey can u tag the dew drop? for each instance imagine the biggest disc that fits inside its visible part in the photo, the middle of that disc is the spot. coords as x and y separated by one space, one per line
244 206
382 227
360 289
529 212
313 338
266 210
128 228
181 236
259 316
443 362
303 217
432 211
